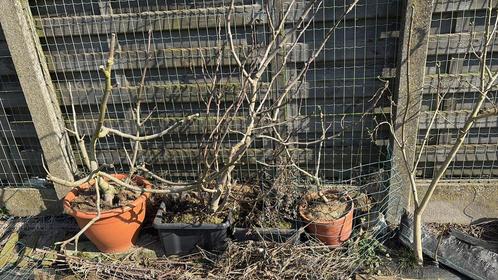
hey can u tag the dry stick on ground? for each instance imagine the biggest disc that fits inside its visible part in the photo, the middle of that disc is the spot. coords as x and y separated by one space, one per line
89 156
487 81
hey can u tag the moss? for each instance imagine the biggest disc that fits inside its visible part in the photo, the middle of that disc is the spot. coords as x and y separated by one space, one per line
189 218
191 210
280 224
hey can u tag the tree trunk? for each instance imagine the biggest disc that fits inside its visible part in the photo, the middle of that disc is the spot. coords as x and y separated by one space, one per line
417 237
214 202
107 190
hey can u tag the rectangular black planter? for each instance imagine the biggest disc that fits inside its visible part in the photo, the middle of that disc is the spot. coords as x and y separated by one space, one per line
266 234
182 239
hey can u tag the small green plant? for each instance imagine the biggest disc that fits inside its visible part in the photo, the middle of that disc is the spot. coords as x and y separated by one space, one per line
373 254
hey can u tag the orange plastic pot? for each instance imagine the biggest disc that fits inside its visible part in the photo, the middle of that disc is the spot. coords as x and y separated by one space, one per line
330 232
117 229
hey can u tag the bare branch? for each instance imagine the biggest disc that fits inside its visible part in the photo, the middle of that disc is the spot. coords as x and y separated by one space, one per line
160 179
151 136
138 121
106 71
230 40
142 189
76 237
148 116
70 184
318 160
487 113
439 100
81 141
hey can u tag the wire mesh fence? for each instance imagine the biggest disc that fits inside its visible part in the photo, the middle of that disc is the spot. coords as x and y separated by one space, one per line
349 82
342 80
348 87
20 151
452 71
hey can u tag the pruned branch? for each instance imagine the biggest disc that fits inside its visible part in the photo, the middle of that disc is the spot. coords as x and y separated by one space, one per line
439 101
136 114
159 178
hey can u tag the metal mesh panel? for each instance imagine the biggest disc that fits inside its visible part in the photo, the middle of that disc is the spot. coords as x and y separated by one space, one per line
20 151
75 34
344 80
343 83
455 28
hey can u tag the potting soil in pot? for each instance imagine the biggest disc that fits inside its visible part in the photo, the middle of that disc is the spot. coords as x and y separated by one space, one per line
191 210
336 207
86 201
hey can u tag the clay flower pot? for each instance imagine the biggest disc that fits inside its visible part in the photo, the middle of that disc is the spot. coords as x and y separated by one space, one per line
330 232
117 229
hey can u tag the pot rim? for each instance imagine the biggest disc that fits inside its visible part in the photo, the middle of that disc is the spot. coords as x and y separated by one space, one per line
108 213
341 219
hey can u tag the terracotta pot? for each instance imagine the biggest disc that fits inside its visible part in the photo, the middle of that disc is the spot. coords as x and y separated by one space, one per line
117 229
330 232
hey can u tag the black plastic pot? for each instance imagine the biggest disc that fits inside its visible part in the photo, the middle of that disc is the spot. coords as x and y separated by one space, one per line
266 234
182 239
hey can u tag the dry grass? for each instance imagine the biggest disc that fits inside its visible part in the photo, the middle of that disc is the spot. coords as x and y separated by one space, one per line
261 260
241 260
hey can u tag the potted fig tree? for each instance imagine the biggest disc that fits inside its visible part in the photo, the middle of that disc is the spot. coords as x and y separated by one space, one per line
327 214
110 208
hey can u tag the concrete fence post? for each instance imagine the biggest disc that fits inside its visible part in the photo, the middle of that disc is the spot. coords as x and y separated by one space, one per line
38 90
409 100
